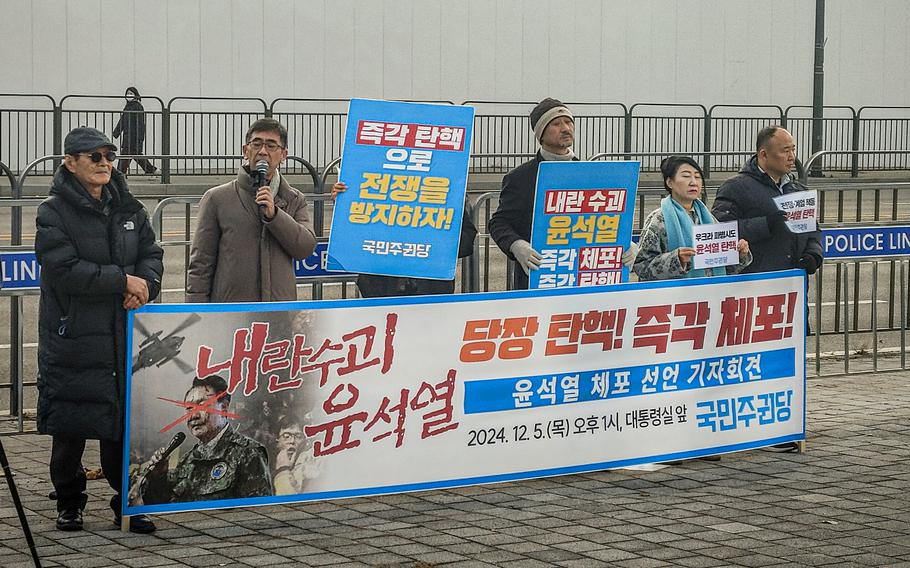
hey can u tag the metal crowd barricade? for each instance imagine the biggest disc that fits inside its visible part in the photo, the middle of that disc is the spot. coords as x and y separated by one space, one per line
649 135
27 132
731 127
839 134
862 334
503 136
194 134
881 133
315 126
17 384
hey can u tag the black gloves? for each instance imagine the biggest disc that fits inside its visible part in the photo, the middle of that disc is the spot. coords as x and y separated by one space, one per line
777 222
809 263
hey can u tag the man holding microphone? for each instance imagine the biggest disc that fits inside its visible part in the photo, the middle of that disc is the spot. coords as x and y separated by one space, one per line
250 231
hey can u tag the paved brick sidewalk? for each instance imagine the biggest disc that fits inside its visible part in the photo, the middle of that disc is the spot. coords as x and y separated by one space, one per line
846 502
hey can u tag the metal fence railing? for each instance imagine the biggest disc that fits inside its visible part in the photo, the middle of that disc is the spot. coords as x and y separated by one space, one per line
33 125
857 307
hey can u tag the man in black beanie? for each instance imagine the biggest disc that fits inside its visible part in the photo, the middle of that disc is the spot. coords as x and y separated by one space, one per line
510 226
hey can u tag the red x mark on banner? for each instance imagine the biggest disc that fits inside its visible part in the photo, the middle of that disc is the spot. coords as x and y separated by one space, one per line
208 405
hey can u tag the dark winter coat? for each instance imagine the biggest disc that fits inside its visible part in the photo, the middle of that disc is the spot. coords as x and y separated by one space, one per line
748 198
85 255
376 286
132 126
512 219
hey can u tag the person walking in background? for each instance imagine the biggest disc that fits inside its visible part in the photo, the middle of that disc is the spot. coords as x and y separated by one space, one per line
665 247
98 258
131 131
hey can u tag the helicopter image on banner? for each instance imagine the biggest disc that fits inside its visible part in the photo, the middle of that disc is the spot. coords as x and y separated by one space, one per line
157 350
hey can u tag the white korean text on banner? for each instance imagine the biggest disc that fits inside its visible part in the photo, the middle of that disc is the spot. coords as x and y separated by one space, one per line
583 214
715 244
406 168
800 207
362 397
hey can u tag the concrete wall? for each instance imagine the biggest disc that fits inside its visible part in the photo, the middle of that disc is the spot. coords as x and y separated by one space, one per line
682 51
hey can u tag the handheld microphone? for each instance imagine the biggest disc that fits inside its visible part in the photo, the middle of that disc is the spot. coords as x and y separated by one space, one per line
262 168
137 487
178 439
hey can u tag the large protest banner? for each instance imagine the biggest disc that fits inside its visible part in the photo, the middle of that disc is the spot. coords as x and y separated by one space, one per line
583 215
406 167
357 397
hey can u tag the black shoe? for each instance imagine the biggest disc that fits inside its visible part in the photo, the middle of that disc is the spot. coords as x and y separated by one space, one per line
69 520
710 458
785 447
139 524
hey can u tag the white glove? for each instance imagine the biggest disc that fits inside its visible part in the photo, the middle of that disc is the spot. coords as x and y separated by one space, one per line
628 257
528 258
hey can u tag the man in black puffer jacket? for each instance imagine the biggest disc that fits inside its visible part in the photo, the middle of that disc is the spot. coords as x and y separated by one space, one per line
748 198
98 258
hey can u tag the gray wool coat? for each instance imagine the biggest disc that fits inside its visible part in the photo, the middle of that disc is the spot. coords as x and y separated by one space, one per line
236 256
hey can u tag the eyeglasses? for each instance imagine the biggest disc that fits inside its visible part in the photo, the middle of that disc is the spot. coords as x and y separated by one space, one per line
256 144
285 436
110 156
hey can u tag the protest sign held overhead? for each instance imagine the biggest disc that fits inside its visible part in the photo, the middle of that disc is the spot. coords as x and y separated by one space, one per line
583 214
406 165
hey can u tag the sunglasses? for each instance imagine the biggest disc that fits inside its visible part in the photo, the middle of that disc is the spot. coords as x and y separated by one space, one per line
110 155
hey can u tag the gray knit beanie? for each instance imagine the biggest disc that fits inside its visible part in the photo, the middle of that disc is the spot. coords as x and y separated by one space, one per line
545 111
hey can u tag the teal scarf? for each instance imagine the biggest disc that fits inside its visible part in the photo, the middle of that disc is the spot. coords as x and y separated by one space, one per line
679 227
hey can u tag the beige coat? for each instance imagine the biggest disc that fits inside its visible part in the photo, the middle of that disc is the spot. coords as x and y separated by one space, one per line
236 256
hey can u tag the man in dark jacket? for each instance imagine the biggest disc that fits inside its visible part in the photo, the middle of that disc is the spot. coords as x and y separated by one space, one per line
98 258
748 198
510 226
131 127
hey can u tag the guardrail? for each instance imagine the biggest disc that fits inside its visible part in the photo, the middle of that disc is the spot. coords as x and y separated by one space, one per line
848 309
216 125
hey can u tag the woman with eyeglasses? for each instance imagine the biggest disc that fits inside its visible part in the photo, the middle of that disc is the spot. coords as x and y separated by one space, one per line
665 248
98 258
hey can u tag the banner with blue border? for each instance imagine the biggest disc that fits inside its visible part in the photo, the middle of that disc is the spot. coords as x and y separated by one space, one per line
341 398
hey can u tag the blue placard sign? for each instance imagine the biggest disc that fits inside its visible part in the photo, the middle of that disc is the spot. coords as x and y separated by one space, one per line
583 214
406 168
